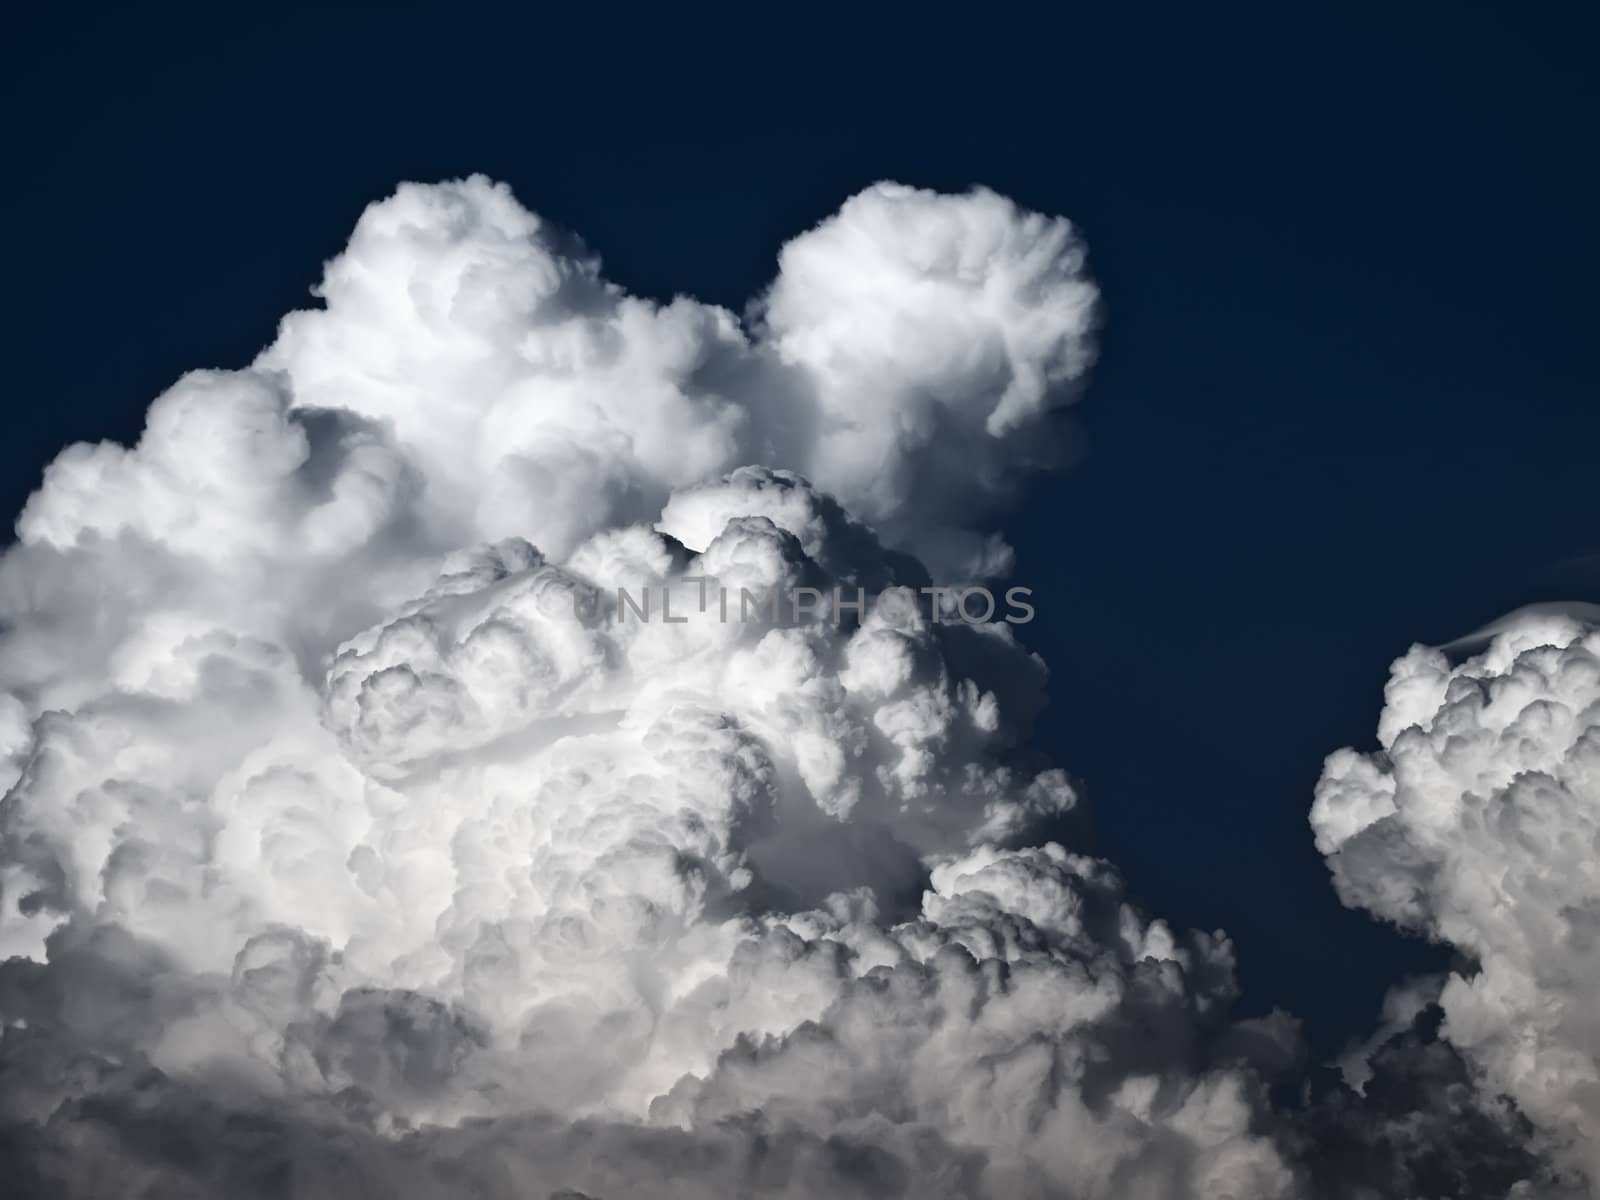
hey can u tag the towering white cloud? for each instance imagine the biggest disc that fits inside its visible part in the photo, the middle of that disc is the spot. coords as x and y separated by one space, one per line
350 796
361 834
1478 824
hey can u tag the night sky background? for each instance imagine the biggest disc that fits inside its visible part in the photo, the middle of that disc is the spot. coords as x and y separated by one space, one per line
1347 397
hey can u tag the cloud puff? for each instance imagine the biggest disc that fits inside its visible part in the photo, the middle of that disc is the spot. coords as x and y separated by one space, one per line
1478 824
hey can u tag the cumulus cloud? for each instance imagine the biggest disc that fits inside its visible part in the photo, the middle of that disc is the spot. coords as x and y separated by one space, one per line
1478 824
362 836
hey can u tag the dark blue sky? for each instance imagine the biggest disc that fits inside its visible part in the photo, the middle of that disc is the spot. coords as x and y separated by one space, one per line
1348 396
